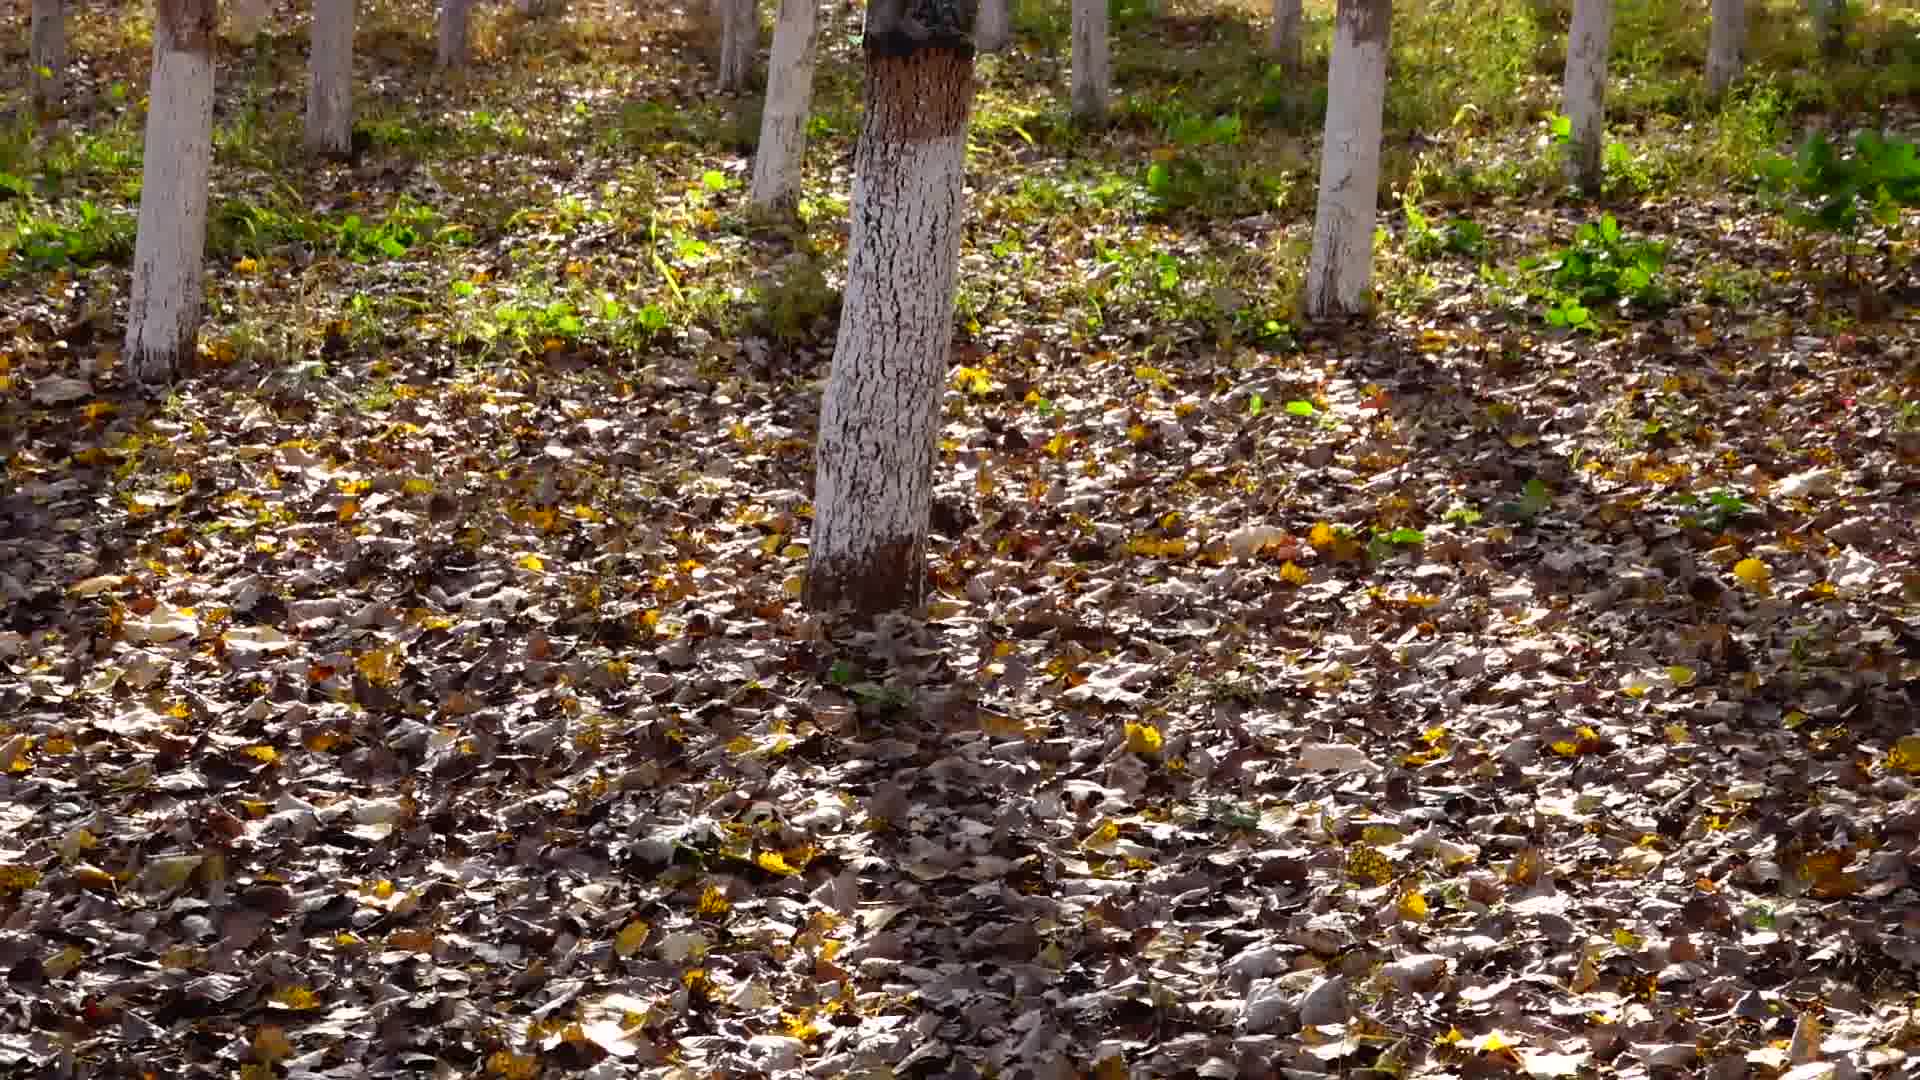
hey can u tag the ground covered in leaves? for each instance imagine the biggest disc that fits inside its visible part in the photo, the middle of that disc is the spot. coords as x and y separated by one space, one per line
419 687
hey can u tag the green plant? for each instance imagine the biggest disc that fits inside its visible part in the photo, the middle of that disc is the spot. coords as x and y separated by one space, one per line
1457 236
1713 511
1601 265
76 236
794 299
1822 189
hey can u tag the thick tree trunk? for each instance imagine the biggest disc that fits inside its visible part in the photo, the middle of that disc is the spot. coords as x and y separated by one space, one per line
1289 27
1586 89
450 33
993 27
873 482
783 123
48 54
163 316
1726 44
739 40
1829 25
330 78
1340 269
1092 70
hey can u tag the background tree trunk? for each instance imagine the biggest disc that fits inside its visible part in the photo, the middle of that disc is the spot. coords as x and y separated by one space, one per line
783 123
1725 44
1586 89
330 78
739 40
48 54
450 33
1092 69
1340 270
1289 28
993 27
1829 26
873 480
163 316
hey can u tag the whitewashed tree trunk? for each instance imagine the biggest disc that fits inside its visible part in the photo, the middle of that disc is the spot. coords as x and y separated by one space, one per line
993 26
739 40
163 316
783 123
1586 89
873 479
1829 25
1092 67
450 33
1340 269
1289 27
1725 44
48 53
330 78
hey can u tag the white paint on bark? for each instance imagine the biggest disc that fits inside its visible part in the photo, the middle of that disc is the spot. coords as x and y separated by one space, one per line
1092 67
450 33
163 316
48 53
739 40
1586 89
1340 269
330 78
993 25
1725 44
873 481
1289 29
783 123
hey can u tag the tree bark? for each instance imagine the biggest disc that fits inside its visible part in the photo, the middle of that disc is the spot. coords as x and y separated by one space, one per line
1289 27
450 33
48 54
163 317
993 26
1340 269
739 40
873 480
1586 89
783 123
1092 69
330 79
1725 45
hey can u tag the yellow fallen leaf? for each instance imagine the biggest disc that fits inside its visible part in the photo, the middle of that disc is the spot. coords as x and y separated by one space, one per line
1755 575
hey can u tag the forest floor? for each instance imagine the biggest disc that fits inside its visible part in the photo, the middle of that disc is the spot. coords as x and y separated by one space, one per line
1521 681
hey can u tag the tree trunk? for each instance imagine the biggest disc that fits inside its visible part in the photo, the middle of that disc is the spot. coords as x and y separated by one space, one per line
739 40
48 54
1092 71
163 316
783 123
450 33
1586 89
993 27
1829 26
1340 269
1725 45
330 79
873 464
1289 27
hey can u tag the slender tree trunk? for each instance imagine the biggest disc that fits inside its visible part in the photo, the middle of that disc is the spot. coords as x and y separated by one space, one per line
1340 269
873 481
1586 89
450 33
993 27
739 40
48 54
1829 25
1289 27
163 316
330 78
783 123
1092 70
1726 44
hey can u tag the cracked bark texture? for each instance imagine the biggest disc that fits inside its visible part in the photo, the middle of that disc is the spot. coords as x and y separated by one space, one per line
450 33
48 53
873 463
783 123
1289 27
1340 269
739 40
1725 44
163 316
1586 89
1092 66
330 78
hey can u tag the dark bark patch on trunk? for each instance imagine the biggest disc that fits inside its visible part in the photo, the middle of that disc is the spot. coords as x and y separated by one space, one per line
1367 20
921 93
900 28
188 24
891 577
